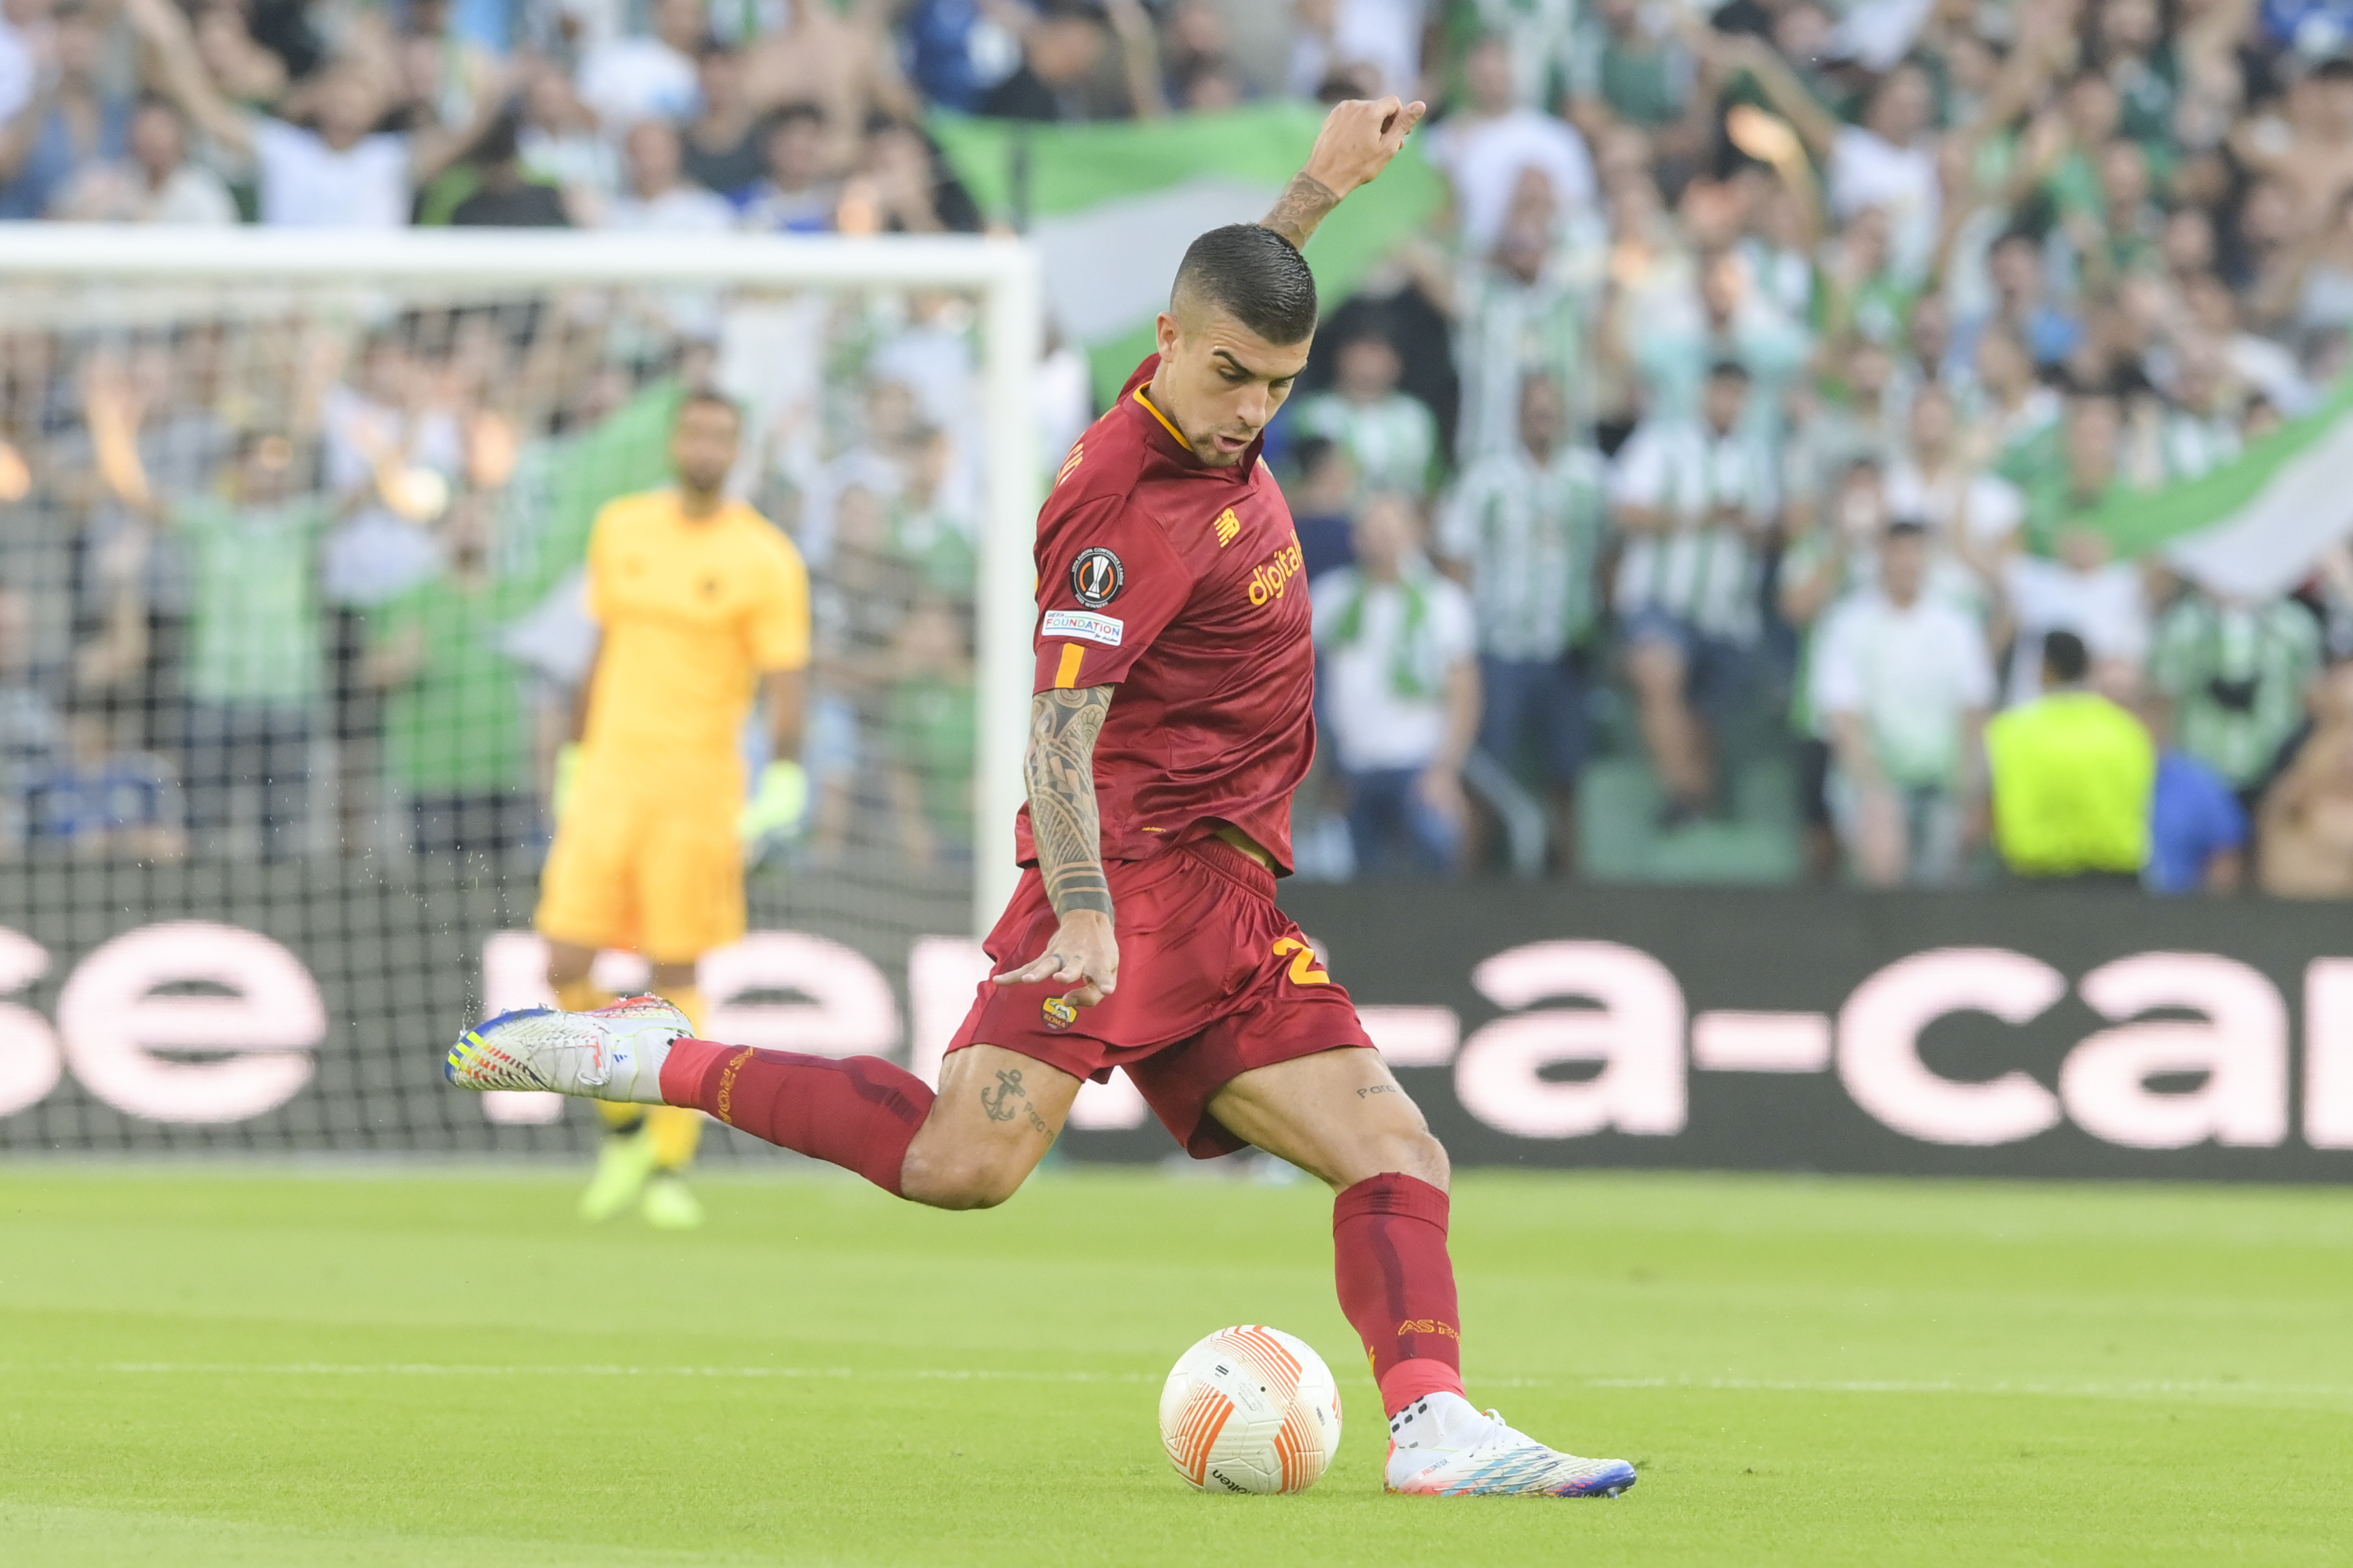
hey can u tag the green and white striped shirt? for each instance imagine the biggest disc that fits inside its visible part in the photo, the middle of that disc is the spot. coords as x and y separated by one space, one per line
2237 678
1509 331
1532 537
1699 570
1392 442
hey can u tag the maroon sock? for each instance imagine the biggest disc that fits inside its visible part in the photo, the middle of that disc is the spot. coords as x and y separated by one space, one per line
1396 1285
860 1114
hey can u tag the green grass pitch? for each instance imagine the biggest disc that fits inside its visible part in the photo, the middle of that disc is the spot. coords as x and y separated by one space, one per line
274 1367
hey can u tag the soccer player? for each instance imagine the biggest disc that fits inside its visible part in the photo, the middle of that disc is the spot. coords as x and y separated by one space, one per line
1171 722
701 603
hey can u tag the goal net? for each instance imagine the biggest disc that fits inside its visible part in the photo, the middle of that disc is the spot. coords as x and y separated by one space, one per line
292 533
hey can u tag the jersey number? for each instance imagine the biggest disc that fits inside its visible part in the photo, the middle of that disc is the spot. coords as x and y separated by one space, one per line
1302 966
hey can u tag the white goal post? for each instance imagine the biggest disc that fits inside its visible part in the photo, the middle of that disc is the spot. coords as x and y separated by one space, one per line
1002 273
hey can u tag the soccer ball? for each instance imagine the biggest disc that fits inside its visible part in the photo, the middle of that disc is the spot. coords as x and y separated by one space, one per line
1250 1409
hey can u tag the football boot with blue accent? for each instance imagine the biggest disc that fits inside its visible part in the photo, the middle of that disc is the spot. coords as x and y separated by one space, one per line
1440 1446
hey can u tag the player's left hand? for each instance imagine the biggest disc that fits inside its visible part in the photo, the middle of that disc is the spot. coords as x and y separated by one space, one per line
1084 953
774 811
1358 138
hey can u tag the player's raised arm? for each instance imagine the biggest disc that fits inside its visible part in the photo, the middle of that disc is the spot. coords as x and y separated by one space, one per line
1358 138
1068 826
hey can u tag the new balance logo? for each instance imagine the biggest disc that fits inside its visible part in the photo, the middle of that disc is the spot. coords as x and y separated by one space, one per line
1228 527
1070 463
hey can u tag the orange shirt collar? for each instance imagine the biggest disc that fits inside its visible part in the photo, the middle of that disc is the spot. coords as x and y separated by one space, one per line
1242 469
1165 424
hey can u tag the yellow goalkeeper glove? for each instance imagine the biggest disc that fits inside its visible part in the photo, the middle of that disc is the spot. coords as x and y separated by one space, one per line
774 811
568 779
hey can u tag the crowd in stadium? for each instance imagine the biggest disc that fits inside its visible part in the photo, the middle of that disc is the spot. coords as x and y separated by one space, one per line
1695 500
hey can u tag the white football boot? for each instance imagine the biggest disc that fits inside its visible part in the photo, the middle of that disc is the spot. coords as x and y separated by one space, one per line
614 1053
1441 1445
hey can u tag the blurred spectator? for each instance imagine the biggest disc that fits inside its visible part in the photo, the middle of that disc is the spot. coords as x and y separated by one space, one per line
2198 831
1694 500
1848 421
900 188
1198 54
2018 421
96 799
722 149
32 732
657 196
1627 66
345 173
504 196
1063 50
2236 675
931 730
629 79
1397 641
958 49
1888 161
254 676
24 29
2074 776
1320 497
561 144
1514 312
1971 513
806 51
2081 474
2098 601
155 184
1486 147
1365 48
447 74
859 603
2303 841
1389 434
2022 303
72 124
457 744
1673 348
1903 683
796 197
1526 523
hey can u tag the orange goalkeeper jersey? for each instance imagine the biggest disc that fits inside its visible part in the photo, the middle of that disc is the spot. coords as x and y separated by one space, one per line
692 613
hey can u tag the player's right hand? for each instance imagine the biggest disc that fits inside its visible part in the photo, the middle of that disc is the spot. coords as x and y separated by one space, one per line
1083 953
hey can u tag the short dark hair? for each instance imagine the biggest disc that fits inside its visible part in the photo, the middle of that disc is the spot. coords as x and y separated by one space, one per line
2064 657
1907 528
1729 369
1255 275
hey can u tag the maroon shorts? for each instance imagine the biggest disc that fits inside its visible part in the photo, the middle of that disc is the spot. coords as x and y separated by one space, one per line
1214 980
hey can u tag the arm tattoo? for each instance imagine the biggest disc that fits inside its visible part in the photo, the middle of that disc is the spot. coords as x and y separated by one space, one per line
1063 815
1305 203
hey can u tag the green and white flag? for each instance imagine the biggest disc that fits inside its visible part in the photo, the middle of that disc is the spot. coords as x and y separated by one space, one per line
1112 207
2256 526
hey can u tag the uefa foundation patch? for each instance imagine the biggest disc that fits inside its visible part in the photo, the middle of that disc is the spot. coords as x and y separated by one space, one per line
1060 1012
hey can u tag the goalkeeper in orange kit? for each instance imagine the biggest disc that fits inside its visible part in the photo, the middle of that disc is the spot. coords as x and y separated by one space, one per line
704 606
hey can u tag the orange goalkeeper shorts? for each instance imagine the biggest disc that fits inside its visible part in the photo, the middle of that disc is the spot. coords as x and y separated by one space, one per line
649 862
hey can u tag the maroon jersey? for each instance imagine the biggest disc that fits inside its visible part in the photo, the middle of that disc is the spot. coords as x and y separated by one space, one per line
1181 584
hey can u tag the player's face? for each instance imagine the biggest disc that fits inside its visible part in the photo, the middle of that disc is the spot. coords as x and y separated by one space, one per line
703 446
1221 383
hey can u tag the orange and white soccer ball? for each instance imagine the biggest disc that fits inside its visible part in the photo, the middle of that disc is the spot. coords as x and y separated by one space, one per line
1250 1409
